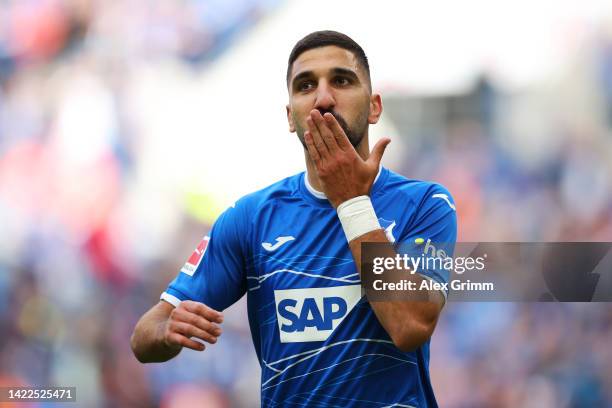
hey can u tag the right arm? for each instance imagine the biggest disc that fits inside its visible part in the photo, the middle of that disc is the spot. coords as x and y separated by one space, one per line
212 279
164 330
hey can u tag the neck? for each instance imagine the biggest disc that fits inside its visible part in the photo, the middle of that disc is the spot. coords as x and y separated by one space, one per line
313 178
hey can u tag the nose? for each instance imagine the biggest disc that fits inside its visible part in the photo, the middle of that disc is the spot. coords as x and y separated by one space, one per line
325 97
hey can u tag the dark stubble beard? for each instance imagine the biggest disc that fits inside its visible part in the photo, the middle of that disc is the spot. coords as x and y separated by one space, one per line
355 136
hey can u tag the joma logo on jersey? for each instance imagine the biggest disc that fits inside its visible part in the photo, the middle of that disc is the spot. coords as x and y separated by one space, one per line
313 314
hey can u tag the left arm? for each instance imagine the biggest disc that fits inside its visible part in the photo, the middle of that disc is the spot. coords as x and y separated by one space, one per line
344 175
409 323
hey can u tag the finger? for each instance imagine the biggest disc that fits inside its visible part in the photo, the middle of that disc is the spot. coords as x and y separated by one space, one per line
326 133
316 138
193 331
179 339
203 310
338 132
312 151
378 151
197 321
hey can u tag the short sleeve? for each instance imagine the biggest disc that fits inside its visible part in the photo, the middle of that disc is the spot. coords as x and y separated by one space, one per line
433 232
215 273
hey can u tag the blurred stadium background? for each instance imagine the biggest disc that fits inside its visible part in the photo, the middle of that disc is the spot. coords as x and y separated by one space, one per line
127 126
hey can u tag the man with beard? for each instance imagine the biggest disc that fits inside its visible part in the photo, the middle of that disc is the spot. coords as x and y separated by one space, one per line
295 249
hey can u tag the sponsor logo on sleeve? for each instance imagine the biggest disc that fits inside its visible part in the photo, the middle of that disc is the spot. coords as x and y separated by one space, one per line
430 249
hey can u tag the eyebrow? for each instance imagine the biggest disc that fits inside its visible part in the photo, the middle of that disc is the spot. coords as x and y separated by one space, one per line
346 72
336 71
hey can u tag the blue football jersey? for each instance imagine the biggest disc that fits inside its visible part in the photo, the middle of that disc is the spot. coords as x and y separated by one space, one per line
317 339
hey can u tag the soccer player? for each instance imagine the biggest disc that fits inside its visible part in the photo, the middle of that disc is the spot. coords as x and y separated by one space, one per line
294 248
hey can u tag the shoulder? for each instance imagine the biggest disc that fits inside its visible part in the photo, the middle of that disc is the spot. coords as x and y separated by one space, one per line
429 208
418 192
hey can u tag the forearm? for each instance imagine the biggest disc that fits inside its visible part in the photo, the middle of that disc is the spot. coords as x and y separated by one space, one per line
347 178
410 322
147 341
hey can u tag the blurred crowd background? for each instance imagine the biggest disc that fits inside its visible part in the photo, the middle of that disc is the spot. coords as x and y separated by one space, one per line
127 126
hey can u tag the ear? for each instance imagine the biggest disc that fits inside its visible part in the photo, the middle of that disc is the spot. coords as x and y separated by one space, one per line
290 119
375 108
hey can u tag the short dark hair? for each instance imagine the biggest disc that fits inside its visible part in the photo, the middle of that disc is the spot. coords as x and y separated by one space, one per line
322 39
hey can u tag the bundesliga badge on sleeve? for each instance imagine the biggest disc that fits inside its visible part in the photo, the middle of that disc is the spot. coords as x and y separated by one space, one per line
196 257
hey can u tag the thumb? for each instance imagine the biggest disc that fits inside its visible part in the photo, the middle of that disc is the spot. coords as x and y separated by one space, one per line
378 151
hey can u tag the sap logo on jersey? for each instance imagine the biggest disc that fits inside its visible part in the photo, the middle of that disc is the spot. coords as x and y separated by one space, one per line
313 314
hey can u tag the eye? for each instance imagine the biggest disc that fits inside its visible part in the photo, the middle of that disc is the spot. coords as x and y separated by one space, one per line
305 86
342 81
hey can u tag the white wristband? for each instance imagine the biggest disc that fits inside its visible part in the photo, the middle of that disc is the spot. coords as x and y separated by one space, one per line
357 217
